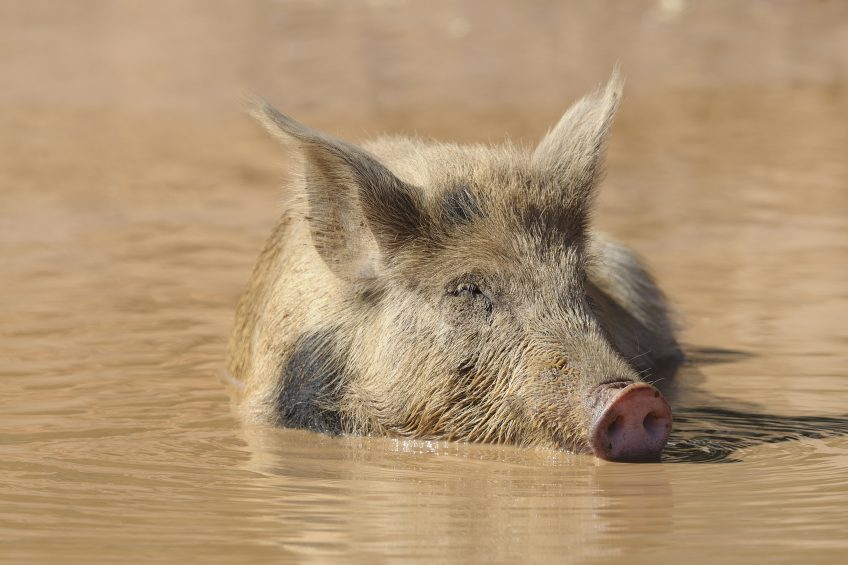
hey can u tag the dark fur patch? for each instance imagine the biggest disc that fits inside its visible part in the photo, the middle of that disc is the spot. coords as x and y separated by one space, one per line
460 206
560 226
310 385
394 209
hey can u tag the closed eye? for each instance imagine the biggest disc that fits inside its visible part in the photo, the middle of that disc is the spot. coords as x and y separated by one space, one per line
468 288
472 291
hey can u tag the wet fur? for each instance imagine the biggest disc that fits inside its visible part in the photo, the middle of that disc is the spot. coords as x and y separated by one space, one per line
357 318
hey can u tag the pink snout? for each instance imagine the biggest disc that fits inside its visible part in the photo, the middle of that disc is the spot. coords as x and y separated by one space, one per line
633 425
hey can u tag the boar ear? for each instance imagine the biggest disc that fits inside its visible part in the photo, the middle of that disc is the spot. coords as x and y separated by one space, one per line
573 151
360 213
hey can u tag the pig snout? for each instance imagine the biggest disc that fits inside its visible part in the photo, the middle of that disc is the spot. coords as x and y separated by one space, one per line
628 422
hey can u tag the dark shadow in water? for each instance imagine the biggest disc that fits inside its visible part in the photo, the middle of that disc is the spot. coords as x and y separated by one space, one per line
715 355
713 435
678 382
705 434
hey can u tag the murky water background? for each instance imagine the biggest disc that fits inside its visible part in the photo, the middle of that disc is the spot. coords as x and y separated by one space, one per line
134 197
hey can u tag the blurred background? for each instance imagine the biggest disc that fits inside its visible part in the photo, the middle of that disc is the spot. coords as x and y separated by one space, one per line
135 195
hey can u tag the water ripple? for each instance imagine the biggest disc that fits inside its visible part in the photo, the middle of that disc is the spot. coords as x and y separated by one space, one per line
716 435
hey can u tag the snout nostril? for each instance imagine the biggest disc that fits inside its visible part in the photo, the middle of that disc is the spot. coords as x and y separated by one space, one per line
613 431
650 423
613 427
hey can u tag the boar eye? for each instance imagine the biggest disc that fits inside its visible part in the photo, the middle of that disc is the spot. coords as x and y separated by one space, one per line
472 291
468 288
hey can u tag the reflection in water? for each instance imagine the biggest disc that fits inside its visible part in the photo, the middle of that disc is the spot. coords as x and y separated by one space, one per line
422 499
714 435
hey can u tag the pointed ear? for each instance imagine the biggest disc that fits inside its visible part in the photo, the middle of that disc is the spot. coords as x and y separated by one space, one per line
573 150
360 214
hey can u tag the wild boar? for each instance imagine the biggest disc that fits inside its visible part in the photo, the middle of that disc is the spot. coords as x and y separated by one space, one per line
433 290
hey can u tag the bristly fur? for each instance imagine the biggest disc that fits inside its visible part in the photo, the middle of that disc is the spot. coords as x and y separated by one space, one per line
467 297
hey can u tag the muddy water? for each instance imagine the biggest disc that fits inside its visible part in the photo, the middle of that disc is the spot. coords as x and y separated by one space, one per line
134 198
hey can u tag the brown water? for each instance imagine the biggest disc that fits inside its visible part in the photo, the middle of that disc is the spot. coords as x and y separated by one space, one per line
134 197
